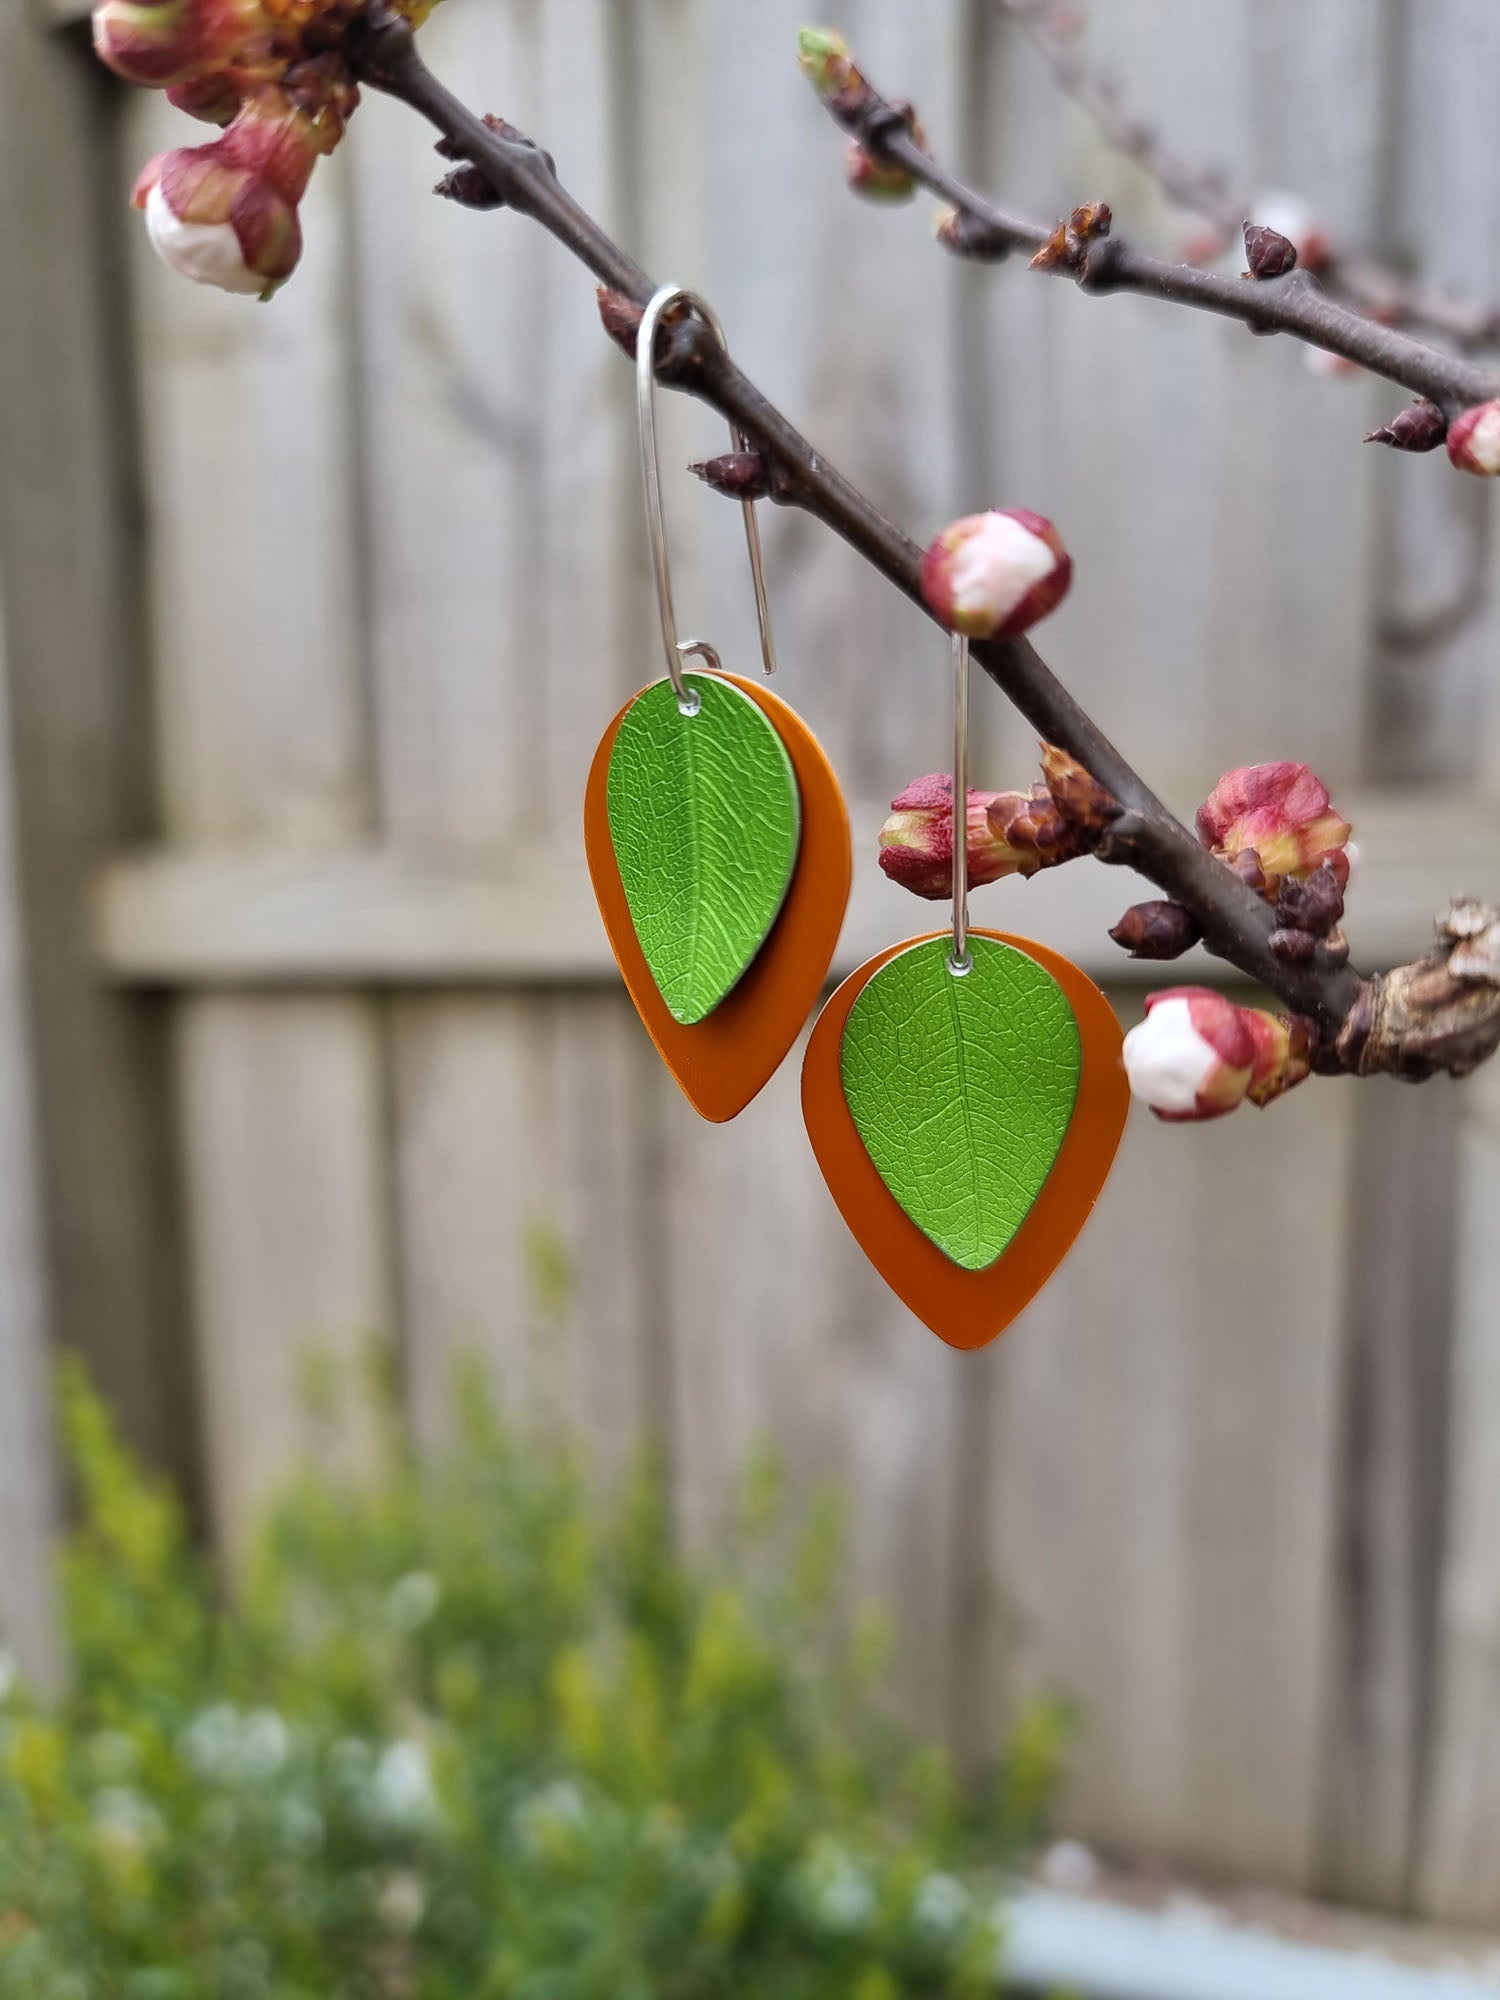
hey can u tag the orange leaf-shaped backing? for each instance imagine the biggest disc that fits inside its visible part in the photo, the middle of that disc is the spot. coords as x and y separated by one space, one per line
724 1060
968 1308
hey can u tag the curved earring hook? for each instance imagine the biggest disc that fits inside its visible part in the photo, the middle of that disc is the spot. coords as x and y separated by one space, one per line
645 384
959 961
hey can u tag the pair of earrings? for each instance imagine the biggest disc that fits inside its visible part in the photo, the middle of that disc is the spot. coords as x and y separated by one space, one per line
963 1091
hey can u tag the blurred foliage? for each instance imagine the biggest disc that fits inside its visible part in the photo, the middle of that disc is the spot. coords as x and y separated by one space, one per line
471 1734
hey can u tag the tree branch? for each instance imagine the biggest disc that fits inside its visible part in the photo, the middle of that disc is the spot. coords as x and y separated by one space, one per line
1368 283
1236 923
1295 304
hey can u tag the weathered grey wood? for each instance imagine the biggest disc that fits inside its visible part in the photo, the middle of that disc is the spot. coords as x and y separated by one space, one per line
1161 1489
1217 503
1433 704
284 1107
69 565
28 1478
499 619
1218 512
1394 1397
1456 1878
524 914
262 732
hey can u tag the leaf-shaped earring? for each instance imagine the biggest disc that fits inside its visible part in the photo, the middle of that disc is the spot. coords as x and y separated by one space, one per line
965 1099
716 833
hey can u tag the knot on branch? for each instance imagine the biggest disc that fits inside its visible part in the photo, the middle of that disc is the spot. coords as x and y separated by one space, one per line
381 47
1441 1014
469 185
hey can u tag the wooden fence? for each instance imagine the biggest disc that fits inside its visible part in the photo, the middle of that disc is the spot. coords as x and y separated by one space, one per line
312 617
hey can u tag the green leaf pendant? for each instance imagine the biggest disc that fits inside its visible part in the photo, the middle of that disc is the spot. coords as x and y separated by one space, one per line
705 819
962 1088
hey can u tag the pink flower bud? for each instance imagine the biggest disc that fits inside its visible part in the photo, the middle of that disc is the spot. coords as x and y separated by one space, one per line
993 575
916 842
161 42
225 214
1282 814
1474 440
1198 1056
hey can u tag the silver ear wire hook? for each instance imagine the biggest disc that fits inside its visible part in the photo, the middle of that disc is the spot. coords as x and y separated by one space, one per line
959 961
645 385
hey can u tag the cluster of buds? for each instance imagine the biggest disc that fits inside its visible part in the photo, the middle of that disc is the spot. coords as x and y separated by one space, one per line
1198 1056
1273 823
1067 248
271 74
992 576
824 59
1474 440
1008 833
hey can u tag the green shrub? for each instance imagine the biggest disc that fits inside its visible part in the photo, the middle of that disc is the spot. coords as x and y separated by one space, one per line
471 1735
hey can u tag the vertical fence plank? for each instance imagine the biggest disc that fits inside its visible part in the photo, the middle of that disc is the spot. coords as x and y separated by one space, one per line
1395 1391
1408 1671
76 749
28 1481
494 433
1456 1876
1161 1488
250 468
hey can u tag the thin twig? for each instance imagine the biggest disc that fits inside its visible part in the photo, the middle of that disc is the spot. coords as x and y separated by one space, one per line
1236 923
1295 304
1365 281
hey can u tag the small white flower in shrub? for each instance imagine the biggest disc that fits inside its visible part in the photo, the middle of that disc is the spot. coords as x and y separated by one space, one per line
550 1817
836 1891
412 1600
941 1906
400 1796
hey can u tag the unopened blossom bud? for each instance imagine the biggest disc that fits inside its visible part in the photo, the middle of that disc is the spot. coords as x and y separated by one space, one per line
1268 253
824 59
1289 946
1474 440
916 842
1283 814
1314 903
1290 216
742 475
993 575
1158 931
1197 1056
162 42
620 317
225 214
877 179
1086 805
1421 426
1033 828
